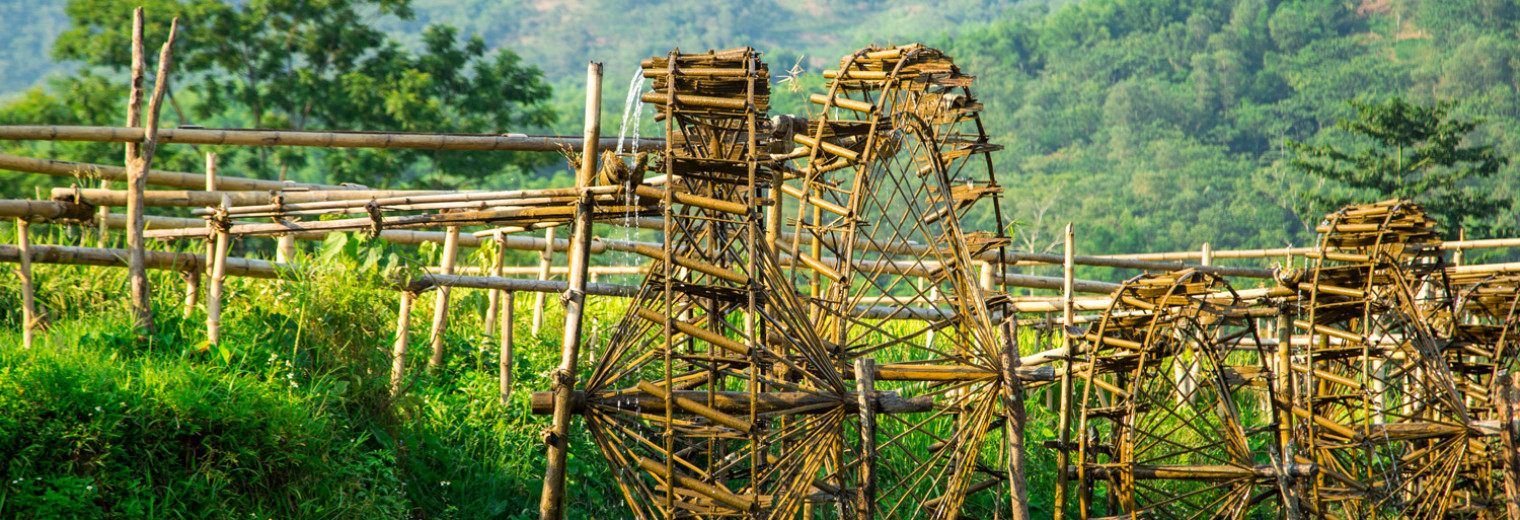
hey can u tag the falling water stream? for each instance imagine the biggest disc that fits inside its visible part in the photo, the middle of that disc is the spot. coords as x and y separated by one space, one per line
633 109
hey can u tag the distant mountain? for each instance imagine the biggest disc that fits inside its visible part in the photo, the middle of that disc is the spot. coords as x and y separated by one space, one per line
30 28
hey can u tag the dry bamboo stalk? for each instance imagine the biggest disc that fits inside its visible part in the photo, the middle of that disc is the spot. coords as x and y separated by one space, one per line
865 388
214 293
441 308
183 180
545 261
493 299
247 201
317 139
551 504
28 299
1013 403
194 287
1064 431
506 346
1508 388
285 249
103 217
398 353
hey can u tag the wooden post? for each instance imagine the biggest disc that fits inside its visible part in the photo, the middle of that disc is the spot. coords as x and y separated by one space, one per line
140 161
398 354
193 278
984 277
103 234
545 261
506 346
218 277
1013 405
285 249
441 308
1068 315
563 380
137 270
1509 420
493 298
28 299
865 388
1284 388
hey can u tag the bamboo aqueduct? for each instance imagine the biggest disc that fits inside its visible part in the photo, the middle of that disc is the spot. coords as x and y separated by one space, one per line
822 331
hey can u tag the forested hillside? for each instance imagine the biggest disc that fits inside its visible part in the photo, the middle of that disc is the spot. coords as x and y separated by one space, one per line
1160 124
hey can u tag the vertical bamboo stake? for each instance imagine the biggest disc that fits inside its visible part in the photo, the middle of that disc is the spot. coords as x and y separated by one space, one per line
1068 316
506 346
1284 388
545 260
563 381
398 354
441 308
865 387
218 277
984 277
1509 420
28 300
493 298
103 234
193 278
1013 404
137 272
285 249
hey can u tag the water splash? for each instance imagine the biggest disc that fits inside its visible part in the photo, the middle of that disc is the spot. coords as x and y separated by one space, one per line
633 108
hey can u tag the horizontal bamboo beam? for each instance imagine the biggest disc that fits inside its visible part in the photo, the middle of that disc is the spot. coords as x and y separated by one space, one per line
427 281
189 199
317 139
733 402
79 170
157 260
1198 472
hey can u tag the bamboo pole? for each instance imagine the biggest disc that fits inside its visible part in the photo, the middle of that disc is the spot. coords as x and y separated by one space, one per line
103 218
194 277
168 179
28 299
1508 387
563 382
493 299
441 308
1064 433
1013 403
320 139
247 201
1284 387
285 248
545 262
506 347
214 293
865 386
398 353
142 317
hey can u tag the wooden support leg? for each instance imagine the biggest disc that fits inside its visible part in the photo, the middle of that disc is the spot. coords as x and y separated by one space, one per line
28 299
285 252
192 290
1064 422
441 309
865 386
1013 403
506 346
545 260
493 299
218 277
1508 387
398 354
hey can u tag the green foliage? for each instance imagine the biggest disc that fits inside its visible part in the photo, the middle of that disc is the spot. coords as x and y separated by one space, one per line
307 66
1415 153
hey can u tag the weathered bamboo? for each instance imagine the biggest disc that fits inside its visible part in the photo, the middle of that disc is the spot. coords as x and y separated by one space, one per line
1013 403
865 388
493 298
505 378
441 307
398 353
1064 426
157 260
218 279
37 211
28 299
241 198
318 139
102 217
545 261
168 179
514 284
142 317
736 402
1508 388
563 380
193 289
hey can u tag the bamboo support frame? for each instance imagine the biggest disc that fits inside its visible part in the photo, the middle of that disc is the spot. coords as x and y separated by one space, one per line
545 262
29 318
317 139
441 307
